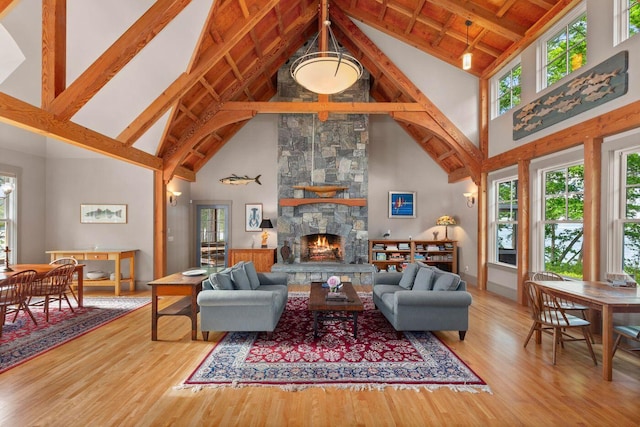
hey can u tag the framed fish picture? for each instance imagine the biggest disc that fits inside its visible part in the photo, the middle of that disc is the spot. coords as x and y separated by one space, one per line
103 214
402 204
253 216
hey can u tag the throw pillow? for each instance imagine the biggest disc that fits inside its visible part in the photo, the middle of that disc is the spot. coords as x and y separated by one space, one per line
240 279
445 281
424 280
408 276
252 274
222 280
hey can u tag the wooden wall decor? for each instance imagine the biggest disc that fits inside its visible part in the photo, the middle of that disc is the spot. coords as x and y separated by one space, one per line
602 83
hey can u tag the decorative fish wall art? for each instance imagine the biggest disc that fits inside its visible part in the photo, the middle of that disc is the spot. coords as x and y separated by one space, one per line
604 82
240 180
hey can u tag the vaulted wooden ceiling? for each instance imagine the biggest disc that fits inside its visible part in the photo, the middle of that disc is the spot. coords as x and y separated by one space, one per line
233 70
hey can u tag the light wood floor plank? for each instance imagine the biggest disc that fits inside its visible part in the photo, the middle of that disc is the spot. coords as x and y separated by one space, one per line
117 376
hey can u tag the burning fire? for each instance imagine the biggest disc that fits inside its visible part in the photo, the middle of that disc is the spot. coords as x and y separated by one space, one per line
321 242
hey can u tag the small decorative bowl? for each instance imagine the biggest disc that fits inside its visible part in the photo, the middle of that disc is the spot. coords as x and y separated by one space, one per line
94 275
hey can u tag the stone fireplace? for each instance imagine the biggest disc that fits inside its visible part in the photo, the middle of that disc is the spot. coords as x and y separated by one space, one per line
316 153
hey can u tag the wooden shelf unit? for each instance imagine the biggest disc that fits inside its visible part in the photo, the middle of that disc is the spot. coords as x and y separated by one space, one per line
385 253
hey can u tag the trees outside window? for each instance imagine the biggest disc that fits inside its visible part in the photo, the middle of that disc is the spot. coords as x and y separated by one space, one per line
506 221
563 214
509 89
7 215
566 50
631 210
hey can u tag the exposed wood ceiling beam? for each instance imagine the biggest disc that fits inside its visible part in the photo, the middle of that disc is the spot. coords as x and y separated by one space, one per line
54 50
116 57
6 6
314 107
467 10
182 84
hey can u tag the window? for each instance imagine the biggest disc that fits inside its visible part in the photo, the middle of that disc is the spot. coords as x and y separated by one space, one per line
506 215
627 19
630 209
563 213
508 90
7 214
564 49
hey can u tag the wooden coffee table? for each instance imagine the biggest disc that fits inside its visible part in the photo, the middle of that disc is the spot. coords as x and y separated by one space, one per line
328 310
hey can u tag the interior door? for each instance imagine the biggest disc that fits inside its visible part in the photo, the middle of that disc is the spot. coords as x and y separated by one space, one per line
213 236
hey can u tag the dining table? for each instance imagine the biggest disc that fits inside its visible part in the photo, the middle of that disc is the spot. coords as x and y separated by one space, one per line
41 270
603 297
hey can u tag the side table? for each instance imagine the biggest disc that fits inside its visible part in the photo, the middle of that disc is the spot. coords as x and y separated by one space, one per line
176 284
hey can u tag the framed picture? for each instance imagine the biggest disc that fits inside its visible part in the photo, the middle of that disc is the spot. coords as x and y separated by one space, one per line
103 214
252 216
402 204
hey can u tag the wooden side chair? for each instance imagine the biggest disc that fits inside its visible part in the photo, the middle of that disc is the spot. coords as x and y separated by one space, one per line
547 315
67 260
13 295
52 287
629 332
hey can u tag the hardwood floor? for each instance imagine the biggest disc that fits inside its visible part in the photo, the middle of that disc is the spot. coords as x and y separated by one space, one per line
117 376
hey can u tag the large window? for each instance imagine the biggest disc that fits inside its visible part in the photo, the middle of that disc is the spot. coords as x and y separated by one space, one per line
627 19
508 90
631 213
563 49
563 213
506 221
7 215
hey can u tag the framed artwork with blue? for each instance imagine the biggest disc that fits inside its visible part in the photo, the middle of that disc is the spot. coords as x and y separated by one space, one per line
402 204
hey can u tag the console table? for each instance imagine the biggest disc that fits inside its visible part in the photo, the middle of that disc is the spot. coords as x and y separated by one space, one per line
116 255
263 258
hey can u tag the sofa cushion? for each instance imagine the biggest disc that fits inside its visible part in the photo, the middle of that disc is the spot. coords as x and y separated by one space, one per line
222 280
445 281
240 278
252 274
408 276
424 279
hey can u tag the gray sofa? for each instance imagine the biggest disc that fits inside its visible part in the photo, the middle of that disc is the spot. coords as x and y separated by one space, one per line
423 298
240 299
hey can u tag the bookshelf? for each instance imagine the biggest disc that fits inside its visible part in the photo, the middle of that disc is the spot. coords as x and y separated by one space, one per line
391 255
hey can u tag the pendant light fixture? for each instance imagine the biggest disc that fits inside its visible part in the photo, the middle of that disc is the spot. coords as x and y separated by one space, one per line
326 71
466 57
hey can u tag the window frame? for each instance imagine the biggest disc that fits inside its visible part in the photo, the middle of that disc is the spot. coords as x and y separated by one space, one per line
11 204
492 184
495 88
622 20
542 81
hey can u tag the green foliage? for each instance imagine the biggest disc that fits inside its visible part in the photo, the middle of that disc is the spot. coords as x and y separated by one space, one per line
509 89
631 230
567 50
634 17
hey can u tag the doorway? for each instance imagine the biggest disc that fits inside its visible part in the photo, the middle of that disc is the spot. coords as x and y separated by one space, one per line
212 225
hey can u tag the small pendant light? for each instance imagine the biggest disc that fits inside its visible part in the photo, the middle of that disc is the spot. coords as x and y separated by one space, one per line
466 57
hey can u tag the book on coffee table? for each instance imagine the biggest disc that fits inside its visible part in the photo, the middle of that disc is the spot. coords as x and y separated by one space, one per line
336 296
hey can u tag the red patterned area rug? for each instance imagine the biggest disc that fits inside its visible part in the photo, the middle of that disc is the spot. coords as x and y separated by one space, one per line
22 340
294 360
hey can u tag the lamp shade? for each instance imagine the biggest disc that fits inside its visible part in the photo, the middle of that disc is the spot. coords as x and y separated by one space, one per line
266 223
446 220
326 72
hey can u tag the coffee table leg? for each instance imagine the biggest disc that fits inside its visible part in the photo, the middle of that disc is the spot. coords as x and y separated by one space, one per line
315 324
355 324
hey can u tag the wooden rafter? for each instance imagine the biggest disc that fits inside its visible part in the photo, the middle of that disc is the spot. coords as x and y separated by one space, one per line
116 57
54 50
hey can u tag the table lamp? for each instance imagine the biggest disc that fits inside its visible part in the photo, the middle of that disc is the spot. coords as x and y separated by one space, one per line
266 223
446 220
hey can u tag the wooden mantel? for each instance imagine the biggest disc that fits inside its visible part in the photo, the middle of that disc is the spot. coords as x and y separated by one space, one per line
298 202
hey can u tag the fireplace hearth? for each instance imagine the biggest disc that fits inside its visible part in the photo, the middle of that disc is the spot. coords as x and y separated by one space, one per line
321 248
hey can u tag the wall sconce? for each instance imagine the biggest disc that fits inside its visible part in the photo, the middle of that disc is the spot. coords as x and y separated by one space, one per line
471 199
6 188
173 197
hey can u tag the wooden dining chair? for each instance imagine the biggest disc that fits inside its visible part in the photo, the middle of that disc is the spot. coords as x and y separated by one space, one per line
74 279
52 287
547 315
13 295
626 331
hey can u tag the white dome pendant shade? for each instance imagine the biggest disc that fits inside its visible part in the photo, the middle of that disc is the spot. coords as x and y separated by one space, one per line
326 73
